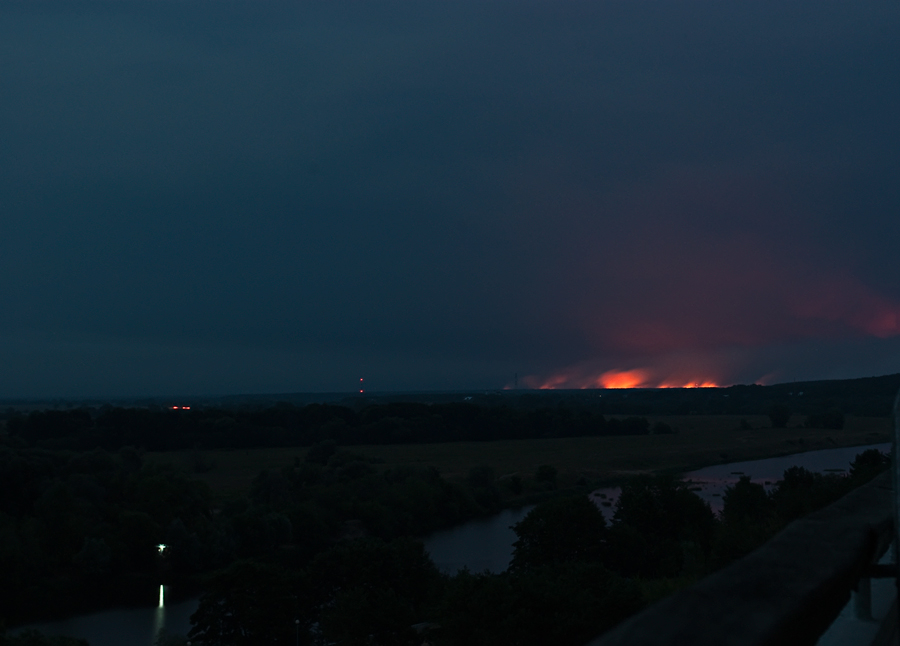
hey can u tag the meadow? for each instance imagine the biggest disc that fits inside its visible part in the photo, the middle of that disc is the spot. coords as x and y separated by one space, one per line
700 440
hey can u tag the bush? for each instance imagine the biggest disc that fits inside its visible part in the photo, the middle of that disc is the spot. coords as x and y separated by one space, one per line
779 414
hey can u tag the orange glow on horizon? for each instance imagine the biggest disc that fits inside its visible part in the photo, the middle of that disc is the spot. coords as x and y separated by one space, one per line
690 384
620 379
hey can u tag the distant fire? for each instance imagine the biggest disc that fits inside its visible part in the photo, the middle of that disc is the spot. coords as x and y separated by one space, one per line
622 379
617 379
690 384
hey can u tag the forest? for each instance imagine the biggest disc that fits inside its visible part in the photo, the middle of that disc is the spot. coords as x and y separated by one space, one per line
156 429
332 541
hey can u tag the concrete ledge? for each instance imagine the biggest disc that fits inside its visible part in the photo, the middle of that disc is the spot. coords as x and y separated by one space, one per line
786 592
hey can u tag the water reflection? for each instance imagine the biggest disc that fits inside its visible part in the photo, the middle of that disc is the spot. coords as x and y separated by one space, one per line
132 626
710 483
487 544
159 618
478 545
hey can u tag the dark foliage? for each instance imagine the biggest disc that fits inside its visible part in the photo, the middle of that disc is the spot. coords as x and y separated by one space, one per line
83 527
320 426
558 531
659 527
325 541
562 604
867 465
779 414
370 591
830 419
248 603
546 474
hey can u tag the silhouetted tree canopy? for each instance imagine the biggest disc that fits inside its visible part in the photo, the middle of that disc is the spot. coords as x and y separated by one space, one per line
557 531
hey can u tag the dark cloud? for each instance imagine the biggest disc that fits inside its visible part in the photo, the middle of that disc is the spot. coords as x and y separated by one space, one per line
235 196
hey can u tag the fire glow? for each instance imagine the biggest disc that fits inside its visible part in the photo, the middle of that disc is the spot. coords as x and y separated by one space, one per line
620 379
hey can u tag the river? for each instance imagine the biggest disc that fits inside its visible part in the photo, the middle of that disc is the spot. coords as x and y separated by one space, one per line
487 544
132 626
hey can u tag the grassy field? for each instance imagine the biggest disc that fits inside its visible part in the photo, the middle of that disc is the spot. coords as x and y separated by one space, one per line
700 441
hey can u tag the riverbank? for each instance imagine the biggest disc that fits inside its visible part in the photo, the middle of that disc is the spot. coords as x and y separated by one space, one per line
701 440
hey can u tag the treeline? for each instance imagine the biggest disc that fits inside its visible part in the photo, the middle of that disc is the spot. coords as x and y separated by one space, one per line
571 578
287 425
79 530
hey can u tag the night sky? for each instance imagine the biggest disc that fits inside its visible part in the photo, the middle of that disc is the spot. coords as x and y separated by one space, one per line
212 197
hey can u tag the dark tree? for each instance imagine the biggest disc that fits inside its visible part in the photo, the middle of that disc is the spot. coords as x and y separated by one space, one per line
746 500
868 464
779 415
246 604
748 521
568 529
801 491
659 526
370 591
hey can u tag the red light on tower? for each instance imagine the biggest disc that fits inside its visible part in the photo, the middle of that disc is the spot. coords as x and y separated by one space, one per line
360 385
